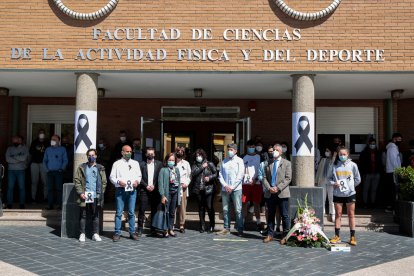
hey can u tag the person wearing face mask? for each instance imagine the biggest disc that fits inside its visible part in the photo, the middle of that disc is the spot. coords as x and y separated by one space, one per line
148 189
16 158
261 174
104 158
55 162
393 161
252 187
203 174
370 164
231 177
345 178
90 184
185 178
323 177
37 170
285 150
70 151
169 189
260 152
125 176
276 181
123 141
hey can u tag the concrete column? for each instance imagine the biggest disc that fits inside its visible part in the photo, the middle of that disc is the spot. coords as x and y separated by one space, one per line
85 138
303 100
303 147
86 100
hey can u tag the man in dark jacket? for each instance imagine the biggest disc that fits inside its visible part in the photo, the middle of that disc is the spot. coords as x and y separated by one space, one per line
90 184
37 152
148 188
370 165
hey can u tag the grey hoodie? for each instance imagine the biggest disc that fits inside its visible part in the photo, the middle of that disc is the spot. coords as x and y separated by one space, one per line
347 174
16 157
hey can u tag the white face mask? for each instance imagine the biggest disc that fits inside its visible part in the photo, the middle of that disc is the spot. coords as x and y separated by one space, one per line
284 149
41 136
327 154
372 146
259 148
122 138
276 154
199 159
53 143
101 146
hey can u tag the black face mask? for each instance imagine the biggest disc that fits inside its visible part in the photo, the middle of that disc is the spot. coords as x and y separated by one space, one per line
16 144
270 155
150 157
398 143
179 155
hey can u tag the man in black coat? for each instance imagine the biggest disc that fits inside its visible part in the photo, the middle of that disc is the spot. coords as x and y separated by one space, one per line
148 188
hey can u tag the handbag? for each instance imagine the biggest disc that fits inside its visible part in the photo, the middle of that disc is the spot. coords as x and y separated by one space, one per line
160 220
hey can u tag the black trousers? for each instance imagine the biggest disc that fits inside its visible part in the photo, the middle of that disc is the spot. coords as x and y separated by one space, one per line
205 202
91 211
145 199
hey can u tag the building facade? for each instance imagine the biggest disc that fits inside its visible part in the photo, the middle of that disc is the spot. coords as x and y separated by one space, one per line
202 73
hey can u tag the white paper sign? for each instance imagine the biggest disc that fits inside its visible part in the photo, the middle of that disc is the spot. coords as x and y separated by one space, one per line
343 186
89 197
129 187
85 130
303 134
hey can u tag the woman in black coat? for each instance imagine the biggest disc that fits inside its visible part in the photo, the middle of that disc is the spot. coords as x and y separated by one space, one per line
203 174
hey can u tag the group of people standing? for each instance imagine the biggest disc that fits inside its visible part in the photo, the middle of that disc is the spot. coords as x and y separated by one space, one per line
47 159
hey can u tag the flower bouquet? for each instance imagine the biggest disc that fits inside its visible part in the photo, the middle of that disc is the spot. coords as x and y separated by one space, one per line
306 231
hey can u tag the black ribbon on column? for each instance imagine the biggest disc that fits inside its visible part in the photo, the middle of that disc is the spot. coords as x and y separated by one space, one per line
83 133
303 135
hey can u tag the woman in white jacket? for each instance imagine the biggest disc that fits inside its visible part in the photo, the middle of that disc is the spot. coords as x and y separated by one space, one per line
344 179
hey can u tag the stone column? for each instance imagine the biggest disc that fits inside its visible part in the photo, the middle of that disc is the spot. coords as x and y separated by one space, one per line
303 102
85 138
86 104
304 146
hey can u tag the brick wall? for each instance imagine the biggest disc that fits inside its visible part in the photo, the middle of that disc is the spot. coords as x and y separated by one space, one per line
405 120
271 120
356 24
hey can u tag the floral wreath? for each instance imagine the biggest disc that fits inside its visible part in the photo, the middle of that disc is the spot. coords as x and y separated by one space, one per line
87 16
307 16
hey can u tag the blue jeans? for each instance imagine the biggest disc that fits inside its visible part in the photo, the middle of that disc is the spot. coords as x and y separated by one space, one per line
54 180
283 204
236 196
172 206
121 197
14 175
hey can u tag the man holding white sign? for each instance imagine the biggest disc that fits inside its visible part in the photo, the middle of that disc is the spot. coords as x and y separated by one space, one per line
126 176
90 184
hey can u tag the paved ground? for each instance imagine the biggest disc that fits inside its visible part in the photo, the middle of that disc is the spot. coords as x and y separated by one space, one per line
41 251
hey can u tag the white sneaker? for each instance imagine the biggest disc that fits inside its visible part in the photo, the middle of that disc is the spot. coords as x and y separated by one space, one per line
96 237
82 238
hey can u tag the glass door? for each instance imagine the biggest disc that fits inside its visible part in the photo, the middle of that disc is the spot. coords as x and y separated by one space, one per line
151 132
243 133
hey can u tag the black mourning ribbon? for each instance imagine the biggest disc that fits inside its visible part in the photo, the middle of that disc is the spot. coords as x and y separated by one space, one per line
89 197
83 136
303 135
129 187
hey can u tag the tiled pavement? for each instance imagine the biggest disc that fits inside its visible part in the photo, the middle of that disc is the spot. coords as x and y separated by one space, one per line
40 250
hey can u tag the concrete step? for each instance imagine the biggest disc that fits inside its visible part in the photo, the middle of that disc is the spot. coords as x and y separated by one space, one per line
367 220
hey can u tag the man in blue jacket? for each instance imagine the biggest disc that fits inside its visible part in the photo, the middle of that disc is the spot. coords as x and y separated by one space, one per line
55 162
